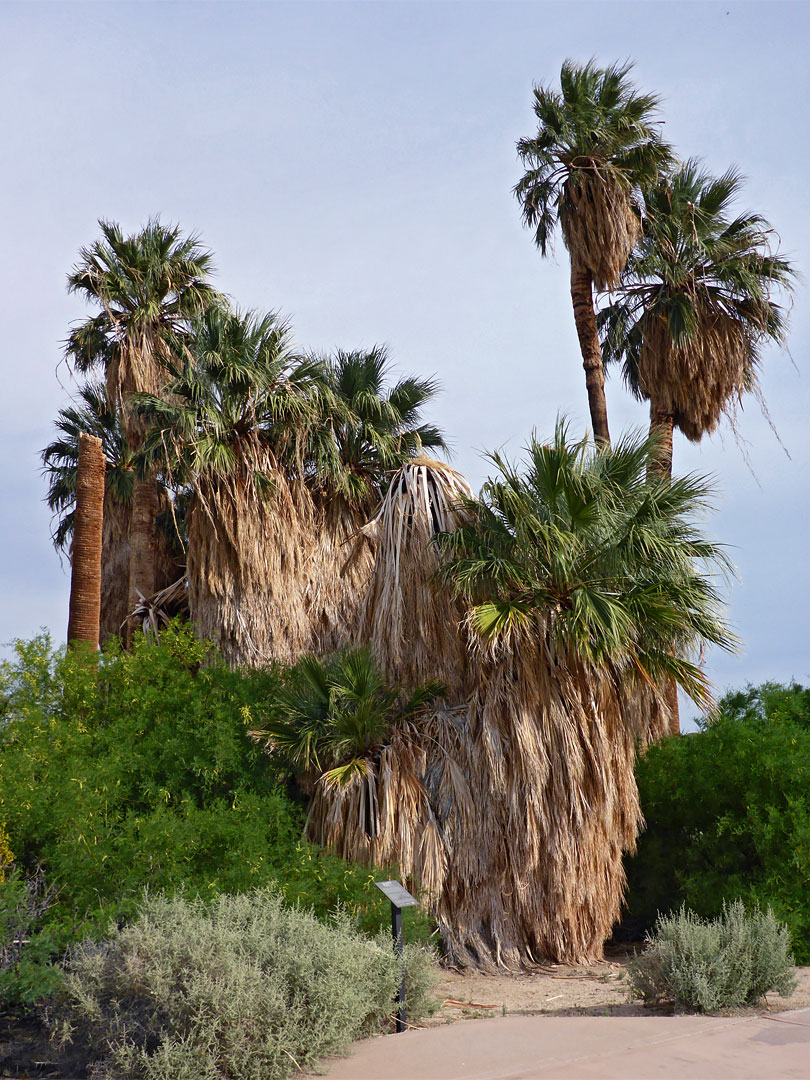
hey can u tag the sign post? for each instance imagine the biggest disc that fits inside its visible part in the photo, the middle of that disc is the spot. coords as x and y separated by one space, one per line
400 898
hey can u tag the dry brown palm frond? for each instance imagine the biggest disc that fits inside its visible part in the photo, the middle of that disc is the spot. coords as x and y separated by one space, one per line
115 562
156 611
340 568
697 380
114 566
599 222
248 556
412 627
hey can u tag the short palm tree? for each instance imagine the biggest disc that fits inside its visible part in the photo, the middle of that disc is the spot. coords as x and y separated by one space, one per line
333 725
232 424
367 430
596 147
147 287
696 305
92 414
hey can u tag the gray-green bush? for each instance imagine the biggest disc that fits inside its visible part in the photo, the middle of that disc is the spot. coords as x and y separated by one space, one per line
707 965
238 987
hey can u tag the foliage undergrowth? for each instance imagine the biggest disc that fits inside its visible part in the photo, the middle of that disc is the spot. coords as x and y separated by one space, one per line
707 965
241 987
728 814
143 775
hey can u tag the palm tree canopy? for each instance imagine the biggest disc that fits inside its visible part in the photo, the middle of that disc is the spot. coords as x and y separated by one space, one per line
606 566
596 147
367 429
90 415
238 400
697 300
147 285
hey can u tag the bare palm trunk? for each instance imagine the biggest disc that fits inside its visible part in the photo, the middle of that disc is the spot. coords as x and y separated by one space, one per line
142 546
585 320
661 425
85 577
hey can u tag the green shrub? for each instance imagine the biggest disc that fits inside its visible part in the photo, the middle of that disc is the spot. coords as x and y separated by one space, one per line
240 987
718 964
26 947
728 814
145 776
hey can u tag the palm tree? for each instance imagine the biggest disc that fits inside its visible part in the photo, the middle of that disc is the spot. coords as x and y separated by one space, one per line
85 577
232 424
596 146
147 286
366 431
584 582
341 730
93 415
696 305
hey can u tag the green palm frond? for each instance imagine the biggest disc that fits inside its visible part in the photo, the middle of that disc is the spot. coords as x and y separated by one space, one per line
596 133
366 430
581 549
91 414
334 713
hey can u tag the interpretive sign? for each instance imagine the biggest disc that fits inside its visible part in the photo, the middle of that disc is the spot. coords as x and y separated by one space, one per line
399 896
396 893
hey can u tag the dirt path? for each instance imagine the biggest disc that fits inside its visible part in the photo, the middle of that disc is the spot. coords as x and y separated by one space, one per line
563 990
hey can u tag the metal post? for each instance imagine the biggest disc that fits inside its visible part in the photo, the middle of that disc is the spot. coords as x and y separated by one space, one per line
396 931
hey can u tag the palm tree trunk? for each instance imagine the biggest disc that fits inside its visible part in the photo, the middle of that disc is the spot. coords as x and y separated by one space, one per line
661 425
85 577
660 467
142 546
585 319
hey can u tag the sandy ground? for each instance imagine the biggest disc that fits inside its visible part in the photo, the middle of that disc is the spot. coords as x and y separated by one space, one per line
561 990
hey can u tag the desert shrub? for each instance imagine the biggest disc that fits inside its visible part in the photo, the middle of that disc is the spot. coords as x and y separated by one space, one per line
707 965
237 987
728 814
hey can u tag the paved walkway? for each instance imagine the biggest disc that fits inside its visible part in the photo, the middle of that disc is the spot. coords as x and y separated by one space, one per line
775 1047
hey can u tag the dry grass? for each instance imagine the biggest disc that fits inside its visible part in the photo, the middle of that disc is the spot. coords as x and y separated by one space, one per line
697 380
599 224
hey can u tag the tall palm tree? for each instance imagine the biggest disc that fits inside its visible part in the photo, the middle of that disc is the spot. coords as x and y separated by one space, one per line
595 148
366 431
147 286
696 305
232 424
92 414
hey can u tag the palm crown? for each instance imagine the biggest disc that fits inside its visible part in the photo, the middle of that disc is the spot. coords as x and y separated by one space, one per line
148 286
596 146
236 403
696 303
590 557
367 430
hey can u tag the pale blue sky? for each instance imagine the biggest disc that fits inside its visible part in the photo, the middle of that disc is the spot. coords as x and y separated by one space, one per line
351 164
